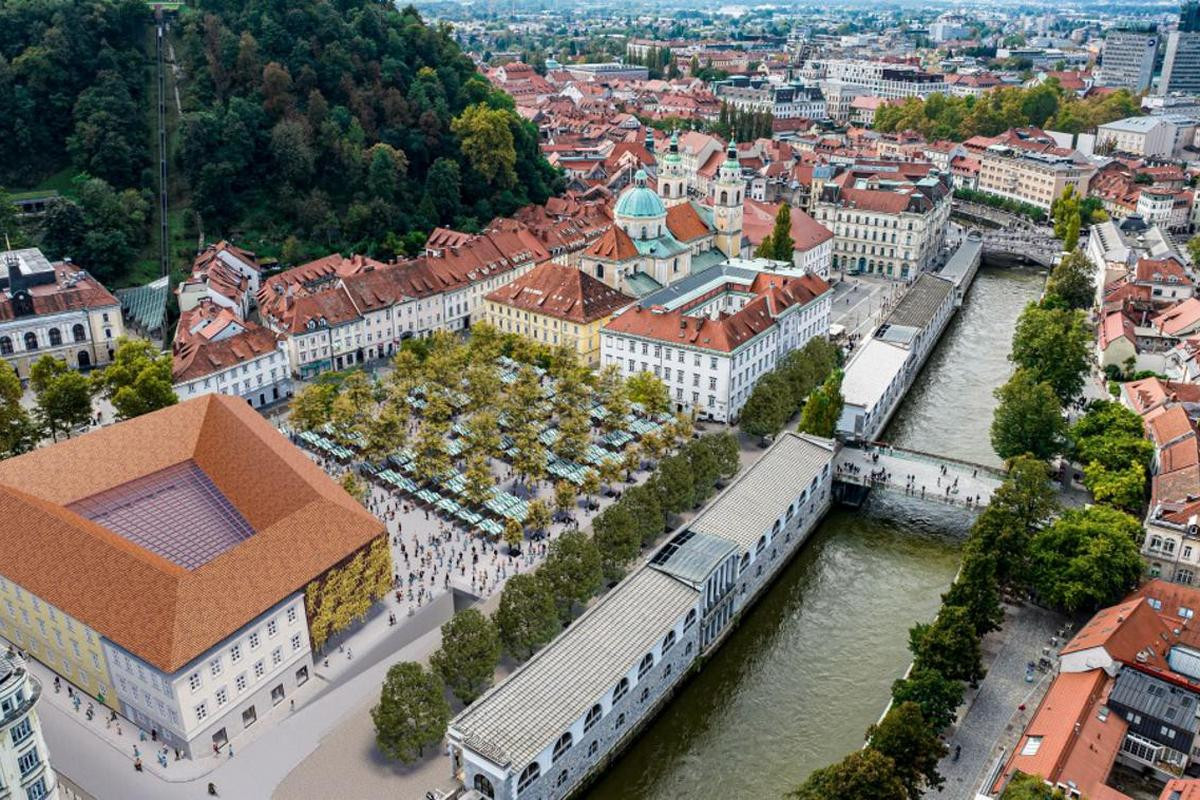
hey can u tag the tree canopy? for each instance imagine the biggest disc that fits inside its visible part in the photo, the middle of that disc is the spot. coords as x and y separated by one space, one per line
411 714
346 125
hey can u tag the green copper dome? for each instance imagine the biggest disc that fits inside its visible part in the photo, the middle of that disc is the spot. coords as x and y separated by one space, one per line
639 201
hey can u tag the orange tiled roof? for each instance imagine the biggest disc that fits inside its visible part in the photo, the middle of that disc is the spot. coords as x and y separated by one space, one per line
303 524
685 223
614 245
562 292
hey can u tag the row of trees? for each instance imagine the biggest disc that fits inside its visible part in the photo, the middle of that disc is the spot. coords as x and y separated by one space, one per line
138 381
743 126
784 391
1027 210
351 126
534 607
1047 105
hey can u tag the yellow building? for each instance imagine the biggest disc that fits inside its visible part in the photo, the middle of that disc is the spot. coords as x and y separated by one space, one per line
555 304
58 640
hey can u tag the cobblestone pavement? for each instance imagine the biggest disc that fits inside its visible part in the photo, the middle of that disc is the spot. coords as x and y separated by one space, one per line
992 717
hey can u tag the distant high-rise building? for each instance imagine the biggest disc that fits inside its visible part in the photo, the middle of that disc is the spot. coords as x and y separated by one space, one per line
1127 61
1189 17
1181 65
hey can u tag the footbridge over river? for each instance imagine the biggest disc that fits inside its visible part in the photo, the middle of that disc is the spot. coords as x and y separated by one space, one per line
862 466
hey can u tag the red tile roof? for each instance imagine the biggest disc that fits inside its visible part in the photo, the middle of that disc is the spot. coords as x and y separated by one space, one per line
303 525
562 292
758 220
773 294
685 224
613 245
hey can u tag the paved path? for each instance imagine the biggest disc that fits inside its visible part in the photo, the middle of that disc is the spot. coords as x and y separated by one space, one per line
946 481
989 714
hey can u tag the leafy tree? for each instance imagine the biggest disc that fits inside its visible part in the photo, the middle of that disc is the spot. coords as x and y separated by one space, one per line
514 534
937 696
64 396
1072 281
487 140
312 406
1030 787
976 590
705 470
527 617
613 398
778 244
1124 489
1019 507
863 775
824 408
724 447
469 653
675 484
564 497
387 431
591 483
411 714
643 504
616 536
1087 558
905 736
354 487
948 645
768 407
649 391
1028 419
138 380
538 515
1055 346
573 571
18 434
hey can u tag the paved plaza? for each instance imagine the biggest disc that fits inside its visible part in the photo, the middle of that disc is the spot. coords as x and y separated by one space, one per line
991 718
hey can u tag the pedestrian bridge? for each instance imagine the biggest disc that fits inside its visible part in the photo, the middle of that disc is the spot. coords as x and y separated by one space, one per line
1032 246
876 465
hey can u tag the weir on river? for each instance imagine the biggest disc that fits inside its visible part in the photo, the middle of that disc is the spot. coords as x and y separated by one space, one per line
811 666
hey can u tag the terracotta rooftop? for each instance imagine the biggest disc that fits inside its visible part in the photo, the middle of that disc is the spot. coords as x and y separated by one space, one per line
758 220
685 224
613 245
302 524
773 294
562 292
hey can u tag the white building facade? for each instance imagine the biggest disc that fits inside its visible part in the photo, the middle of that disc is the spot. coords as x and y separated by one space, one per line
25 772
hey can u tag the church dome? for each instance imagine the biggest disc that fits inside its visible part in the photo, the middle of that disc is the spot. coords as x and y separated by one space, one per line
639 201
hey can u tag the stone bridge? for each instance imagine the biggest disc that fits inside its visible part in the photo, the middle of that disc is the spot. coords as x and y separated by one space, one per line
994 216
924 475
1035 246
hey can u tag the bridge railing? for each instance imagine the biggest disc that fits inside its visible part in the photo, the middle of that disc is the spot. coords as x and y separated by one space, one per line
951 499
883 448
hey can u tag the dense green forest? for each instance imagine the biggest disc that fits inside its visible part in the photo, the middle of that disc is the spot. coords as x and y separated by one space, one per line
72 89
312 126
1046 106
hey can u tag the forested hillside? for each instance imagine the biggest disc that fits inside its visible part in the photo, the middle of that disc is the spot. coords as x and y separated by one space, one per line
73 105
343 125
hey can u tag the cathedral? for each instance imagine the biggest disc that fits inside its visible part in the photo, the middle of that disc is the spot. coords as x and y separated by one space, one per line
659 237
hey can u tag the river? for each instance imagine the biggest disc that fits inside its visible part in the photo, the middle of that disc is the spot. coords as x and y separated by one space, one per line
811 665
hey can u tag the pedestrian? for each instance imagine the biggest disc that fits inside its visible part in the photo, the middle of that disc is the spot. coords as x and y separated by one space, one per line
137 765
292 705
212 789
136 752
231 749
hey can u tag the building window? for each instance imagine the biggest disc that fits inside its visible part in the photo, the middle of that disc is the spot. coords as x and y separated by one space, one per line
259 669
593 716
646 665
561 746
277 694
622 688
668 642
277 656
31 342
194 681
222 696
235 653
240 682
77 333
254 640
302 676
528 776
562 779
484 786
620 722
249 717
55 337
21 731
201 712
28 762
36 790
645 694
689 620
215 666
291 614
272 628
